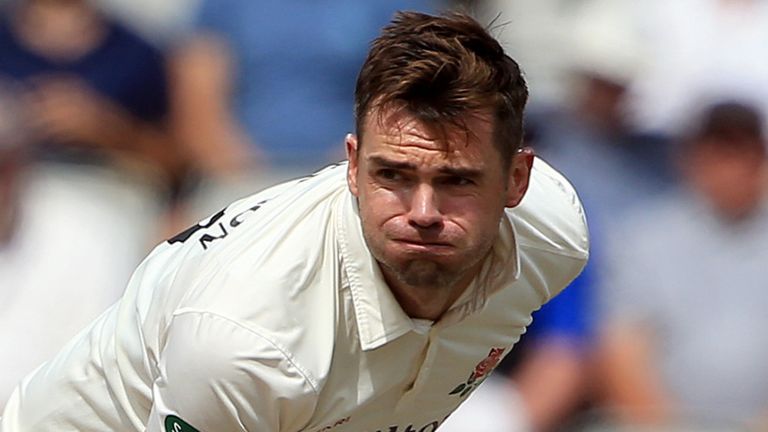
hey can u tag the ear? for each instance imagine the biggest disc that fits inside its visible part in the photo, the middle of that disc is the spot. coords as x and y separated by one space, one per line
350 143
519 176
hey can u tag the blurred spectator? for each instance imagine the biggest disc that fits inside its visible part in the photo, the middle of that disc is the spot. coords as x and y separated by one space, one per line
264 90
92 97
589 138
684 293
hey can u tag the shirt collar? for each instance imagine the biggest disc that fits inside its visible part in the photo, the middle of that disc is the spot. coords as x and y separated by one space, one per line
380 318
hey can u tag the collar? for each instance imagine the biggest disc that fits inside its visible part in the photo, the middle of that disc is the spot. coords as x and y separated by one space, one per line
380 318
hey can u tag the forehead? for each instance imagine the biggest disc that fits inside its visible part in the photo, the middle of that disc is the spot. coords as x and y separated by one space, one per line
396 131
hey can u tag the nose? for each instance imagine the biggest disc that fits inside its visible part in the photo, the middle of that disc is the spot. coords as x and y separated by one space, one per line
424 212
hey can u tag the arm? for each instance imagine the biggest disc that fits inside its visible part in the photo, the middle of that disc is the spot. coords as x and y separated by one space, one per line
217 375
551 382
201 87
628 380
66 110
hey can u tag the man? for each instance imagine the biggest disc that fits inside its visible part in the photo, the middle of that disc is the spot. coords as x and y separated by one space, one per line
370 296
685 288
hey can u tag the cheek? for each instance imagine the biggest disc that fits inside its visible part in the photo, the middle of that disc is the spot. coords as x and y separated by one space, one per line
474 215
378 206
741 182
726 176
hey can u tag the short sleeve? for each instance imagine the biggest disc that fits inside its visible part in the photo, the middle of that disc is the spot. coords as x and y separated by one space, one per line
217 375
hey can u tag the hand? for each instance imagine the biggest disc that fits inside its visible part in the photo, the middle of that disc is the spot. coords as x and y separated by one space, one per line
65 109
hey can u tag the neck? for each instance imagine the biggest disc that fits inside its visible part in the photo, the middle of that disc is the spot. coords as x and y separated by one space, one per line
429 302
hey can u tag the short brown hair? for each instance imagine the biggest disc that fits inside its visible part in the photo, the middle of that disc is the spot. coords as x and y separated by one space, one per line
730 121
439 68
728 125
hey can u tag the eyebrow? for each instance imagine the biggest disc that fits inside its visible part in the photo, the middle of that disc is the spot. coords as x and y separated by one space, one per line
461 172
388 163
409 166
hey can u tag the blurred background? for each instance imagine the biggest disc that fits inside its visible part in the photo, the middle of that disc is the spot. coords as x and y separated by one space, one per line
124 121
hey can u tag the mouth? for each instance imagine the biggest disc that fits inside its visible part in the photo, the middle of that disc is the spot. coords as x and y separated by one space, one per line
434 247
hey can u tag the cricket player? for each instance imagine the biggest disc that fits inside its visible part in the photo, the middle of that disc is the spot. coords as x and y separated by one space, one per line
374 295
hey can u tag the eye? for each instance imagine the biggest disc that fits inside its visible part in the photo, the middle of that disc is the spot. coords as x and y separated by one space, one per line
389 174
458 181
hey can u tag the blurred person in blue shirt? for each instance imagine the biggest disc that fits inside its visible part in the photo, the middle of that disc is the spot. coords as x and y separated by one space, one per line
90 97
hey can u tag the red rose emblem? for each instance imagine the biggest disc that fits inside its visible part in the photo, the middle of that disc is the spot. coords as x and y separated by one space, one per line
481 370
488 363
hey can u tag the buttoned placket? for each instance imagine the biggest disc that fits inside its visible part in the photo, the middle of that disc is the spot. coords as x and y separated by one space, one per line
421 371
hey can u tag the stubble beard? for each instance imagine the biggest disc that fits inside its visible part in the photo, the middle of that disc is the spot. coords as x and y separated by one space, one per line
423 274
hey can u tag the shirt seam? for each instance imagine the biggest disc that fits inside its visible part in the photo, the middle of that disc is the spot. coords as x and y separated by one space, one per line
565 253
284 351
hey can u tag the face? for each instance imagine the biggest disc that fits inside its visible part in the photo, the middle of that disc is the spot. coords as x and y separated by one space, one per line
430 208
733 180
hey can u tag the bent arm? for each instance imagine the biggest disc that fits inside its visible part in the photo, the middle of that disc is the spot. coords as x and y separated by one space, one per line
629 381
551 382
217 375
202 76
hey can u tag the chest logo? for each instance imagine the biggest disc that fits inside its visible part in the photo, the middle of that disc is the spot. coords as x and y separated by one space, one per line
175 424
480 373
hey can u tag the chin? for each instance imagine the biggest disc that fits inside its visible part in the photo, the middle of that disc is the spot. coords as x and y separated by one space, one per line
426 274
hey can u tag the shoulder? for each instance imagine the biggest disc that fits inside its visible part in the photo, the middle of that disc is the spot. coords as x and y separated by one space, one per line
550 216
266 263
222 348
550 231
267 244
218 373
269 218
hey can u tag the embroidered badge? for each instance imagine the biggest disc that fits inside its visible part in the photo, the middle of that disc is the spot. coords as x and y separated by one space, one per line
480 373
175 424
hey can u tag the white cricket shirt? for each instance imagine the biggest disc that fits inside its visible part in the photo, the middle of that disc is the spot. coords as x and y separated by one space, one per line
273 316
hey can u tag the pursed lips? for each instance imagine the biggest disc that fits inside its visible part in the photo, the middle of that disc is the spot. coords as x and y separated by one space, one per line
422 245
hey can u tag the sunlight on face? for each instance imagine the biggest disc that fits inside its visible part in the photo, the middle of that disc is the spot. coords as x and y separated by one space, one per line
430 209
